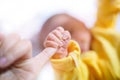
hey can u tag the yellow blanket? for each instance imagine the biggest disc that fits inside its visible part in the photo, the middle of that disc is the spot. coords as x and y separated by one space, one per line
103 61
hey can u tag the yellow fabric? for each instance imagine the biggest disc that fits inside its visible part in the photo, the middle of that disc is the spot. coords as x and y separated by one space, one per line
107 13
103 62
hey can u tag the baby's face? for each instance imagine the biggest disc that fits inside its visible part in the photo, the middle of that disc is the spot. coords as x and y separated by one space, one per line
83 38
78 30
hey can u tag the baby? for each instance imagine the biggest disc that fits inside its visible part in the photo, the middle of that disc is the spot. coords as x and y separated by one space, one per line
69 64
77 29
79 33
101 60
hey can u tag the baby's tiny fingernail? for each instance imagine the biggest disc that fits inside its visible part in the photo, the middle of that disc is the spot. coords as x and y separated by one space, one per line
3 61
65 36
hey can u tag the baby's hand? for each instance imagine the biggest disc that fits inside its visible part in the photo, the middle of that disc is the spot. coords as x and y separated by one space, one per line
58 38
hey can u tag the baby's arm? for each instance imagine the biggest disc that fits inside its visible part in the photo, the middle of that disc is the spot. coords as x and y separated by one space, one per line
107 13
71 65
66 60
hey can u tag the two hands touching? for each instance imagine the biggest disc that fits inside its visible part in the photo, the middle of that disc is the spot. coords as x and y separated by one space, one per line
16 61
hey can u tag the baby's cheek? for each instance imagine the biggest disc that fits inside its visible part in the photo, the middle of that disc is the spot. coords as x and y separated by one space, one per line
84 46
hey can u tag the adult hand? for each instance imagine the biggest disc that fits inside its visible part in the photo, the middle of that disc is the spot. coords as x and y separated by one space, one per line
16 61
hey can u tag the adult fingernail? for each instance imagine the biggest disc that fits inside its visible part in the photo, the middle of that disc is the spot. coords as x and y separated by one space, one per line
3 61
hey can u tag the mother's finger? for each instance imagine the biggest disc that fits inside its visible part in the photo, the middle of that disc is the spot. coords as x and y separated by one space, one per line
1 39
42 58
8 42
22 50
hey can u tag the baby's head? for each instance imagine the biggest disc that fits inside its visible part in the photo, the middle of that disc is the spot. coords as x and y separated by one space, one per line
78 30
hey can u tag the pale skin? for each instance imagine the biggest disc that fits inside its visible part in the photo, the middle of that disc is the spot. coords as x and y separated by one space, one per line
16 61
59 39
78 30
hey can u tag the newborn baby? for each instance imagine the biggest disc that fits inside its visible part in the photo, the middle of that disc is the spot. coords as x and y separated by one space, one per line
80 33
100 63
77 29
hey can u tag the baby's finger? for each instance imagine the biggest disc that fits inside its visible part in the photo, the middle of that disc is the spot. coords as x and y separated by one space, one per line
22 51
65 39
51 44
61 29
66 35
52 37
58 34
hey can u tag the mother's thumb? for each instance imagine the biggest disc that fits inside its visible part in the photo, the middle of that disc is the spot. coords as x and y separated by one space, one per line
1 38
44 56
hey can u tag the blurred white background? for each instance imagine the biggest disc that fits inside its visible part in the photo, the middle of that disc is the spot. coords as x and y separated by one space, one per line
22 16
26 17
